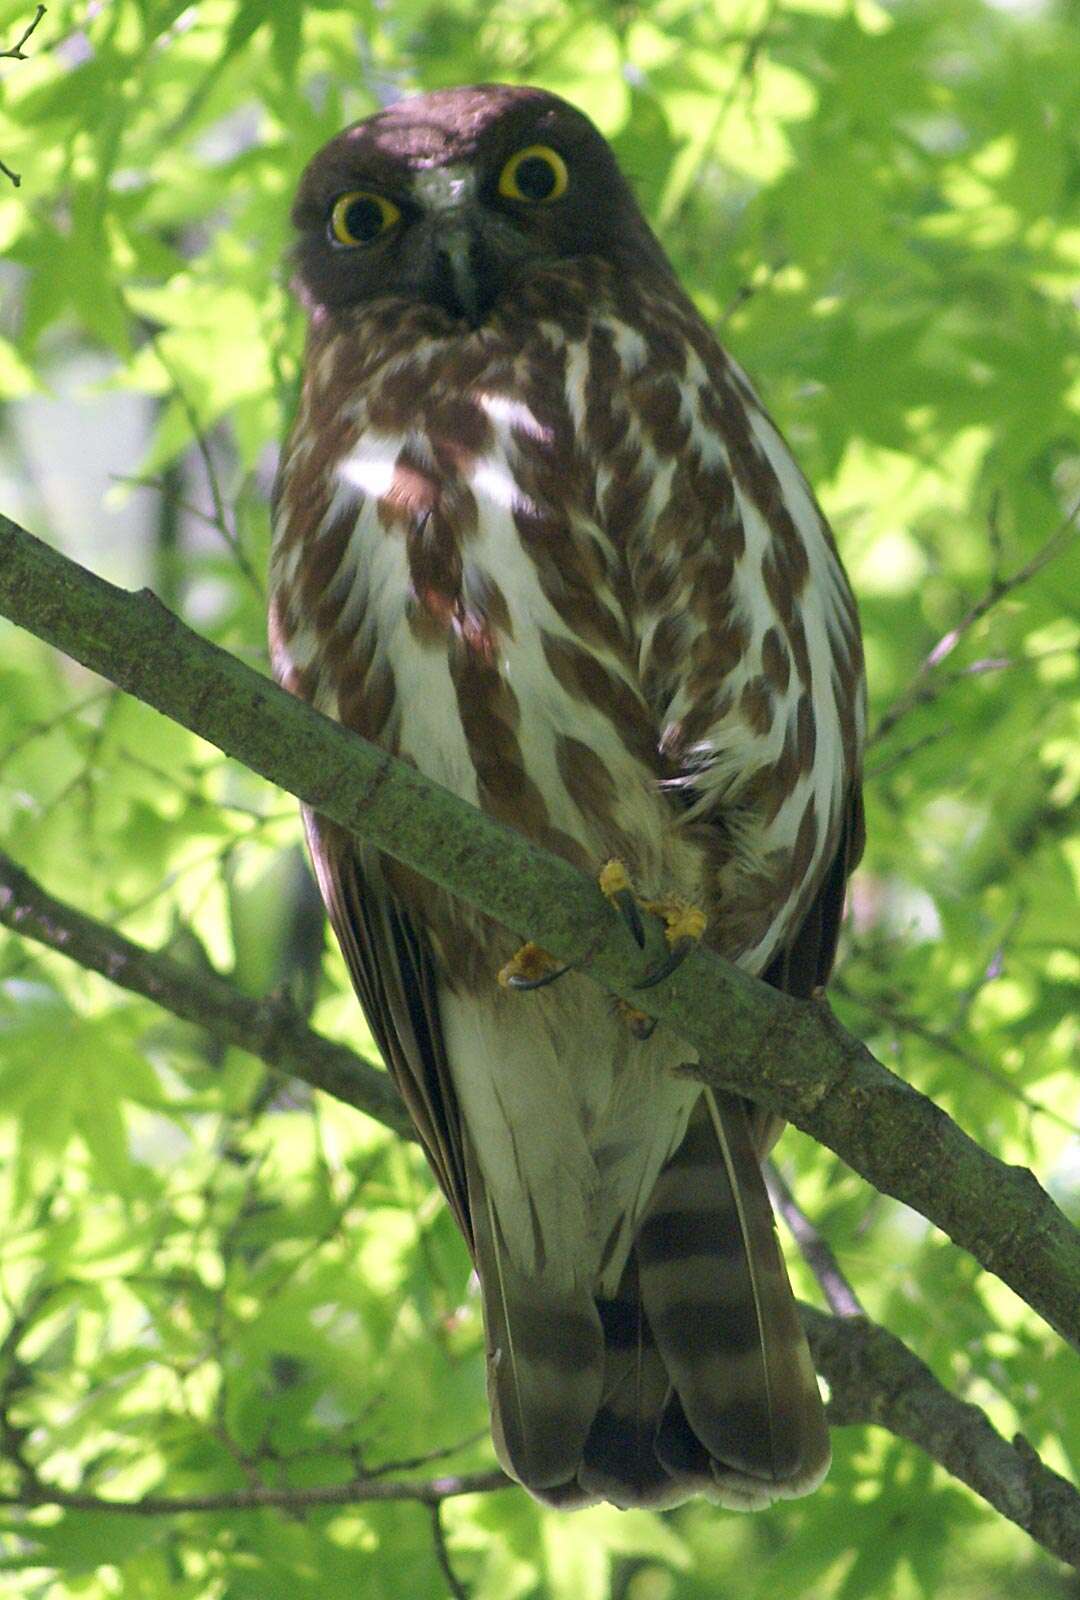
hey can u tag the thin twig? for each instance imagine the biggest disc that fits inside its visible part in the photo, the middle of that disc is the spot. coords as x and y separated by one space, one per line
878 769
15 51
921 690
132 480
413 1463
221 518
752 46
817 1253
428 1491
886 1011
457 1589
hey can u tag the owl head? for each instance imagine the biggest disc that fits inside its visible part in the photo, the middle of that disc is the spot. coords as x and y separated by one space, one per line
448 197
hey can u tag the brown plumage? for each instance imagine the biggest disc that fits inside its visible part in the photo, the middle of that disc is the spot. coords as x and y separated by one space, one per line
535 533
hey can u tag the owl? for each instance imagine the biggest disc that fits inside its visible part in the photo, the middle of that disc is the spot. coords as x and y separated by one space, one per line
535 534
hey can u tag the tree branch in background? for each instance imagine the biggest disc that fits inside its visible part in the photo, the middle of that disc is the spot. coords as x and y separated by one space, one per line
816 1252
875 1378
221 520
924 688
792 1056
270 1028
457 1589
16 53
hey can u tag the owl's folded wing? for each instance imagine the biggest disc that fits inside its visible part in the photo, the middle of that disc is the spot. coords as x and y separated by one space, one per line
804 962
392 971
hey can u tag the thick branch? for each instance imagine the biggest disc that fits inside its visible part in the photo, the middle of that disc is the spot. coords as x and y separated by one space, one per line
791 1055
874 1377
270 1028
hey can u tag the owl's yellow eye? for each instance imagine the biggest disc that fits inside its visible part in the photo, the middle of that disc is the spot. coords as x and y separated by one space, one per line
536 174
361 217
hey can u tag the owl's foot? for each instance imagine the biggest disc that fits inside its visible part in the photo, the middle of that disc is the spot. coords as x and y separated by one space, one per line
614 881
684 925
641 1025
530 968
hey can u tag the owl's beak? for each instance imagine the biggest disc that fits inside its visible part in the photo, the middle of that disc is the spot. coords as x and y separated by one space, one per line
464 272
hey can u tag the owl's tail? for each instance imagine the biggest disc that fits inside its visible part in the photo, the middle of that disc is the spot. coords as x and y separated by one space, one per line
695 1378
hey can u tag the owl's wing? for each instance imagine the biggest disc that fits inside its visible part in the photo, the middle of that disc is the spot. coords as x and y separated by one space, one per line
392 971
804 962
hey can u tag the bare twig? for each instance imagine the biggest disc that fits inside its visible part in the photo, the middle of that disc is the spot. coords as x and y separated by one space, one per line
16 53
923 688
457 1589
839 1295
221 519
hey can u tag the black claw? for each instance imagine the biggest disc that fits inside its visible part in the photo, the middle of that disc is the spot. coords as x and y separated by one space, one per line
522 984
674 958
628 908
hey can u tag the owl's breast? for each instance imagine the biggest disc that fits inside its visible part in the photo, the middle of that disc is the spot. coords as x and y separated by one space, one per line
443 585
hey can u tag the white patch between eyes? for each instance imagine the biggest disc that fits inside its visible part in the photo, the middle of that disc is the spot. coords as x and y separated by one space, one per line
442 188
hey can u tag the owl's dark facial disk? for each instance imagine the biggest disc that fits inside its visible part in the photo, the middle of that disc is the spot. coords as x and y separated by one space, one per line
446 198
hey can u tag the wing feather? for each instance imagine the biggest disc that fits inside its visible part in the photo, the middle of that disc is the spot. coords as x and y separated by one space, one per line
392 970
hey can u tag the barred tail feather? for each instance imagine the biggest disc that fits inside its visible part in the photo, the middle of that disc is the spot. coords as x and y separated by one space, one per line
744 1405
694 1378
545 1362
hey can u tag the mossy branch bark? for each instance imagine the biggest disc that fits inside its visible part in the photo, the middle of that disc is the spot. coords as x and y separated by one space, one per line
791 1055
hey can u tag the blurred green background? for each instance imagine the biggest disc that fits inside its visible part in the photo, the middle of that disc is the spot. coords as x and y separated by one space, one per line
210 1279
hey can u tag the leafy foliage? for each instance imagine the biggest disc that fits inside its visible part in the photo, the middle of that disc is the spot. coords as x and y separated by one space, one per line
211 1280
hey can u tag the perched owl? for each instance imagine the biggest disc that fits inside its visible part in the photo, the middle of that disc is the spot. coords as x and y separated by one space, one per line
535 534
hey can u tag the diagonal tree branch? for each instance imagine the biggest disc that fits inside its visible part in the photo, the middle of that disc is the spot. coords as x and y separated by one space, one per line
874 1377
792 1056
270 1028
924 688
